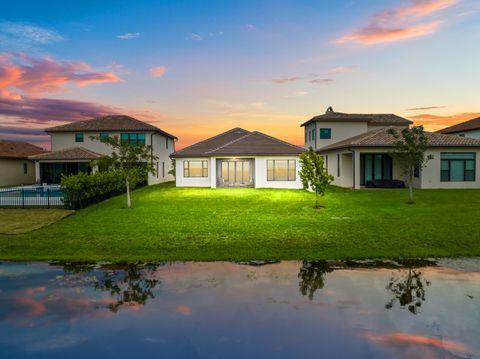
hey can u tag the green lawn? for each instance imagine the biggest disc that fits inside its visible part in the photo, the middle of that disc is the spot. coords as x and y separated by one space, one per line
16 221
169 223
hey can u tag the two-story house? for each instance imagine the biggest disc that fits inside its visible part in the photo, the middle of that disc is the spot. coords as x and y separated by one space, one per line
75 145
357 152
470 128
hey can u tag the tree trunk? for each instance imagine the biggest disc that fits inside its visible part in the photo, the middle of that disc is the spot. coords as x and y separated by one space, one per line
316 199
410 185
129 202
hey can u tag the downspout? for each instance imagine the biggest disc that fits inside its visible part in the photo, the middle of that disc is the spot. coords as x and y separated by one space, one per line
151 147
353 165
316 135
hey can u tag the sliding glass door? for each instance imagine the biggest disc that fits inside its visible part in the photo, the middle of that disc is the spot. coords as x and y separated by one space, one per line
375 167
235 173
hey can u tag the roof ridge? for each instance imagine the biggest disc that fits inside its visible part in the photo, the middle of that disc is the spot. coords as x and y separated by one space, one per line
211 138
278 140
231 142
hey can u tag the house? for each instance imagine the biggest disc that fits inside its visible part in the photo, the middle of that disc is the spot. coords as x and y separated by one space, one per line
72 146
15 167
357 147
469 128
239 158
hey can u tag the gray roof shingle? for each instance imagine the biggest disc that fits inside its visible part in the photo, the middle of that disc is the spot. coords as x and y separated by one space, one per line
239 142
108 123
381 138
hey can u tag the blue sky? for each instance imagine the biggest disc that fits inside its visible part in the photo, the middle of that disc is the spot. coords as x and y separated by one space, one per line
195 68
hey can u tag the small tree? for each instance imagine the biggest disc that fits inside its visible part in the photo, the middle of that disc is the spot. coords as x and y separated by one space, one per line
133 162
410 149
313 174
173 169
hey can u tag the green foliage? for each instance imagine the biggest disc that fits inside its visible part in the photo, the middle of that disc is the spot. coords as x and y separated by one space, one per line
313 173
83 189
410 148
173 170
132 162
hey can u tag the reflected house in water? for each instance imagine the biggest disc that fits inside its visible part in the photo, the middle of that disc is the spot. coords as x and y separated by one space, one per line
249 310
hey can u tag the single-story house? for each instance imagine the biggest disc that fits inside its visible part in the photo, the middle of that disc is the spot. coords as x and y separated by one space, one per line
72 146
239 158
15 167
469 128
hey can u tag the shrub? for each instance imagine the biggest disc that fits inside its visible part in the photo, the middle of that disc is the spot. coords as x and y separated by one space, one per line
82 190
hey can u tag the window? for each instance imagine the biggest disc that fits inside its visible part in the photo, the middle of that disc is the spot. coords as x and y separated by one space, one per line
325 133
305 135
134 139
313 135
163 169
281 170
103 137
79 137
377 166
195 169
166 143
326 162
25 168
457 167
309 136
338 164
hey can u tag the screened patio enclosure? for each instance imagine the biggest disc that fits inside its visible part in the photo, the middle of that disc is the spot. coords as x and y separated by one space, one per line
235 173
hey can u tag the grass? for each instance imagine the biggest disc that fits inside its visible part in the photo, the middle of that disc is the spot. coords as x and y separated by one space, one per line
16 221
169 223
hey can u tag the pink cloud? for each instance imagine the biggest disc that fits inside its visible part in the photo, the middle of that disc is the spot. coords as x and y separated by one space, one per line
406 339
31 75
286 80
400 23
158 71
184 310
377 35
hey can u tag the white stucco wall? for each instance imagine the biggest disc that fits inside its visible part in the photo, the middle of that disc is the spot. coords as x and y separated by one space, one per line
471 134
182 181
261 173
62 140
430 176
340 131
12 174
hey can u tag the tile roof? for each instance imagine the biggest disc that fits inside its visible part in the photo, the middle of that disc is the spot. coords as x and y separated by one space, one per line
108 123
14 149
464 126
73 153
371 119
239 142
381 138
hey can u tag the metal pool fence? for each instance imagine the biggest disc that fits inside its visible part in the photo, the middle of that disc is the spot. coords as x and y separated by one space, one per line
29 197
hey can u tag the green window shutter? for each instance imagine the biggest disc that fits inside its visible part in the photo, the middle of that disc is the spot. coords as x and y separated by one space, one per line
325 133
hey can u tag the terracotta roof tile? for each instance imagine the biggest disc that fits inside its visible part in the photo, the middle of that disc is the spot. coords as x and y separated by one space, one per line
108 123
371 119
14 149
73 153
381 138
464 126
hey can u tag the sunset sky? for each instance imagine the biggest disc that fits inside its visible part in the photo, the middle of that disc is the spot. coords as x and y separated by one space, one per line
197 68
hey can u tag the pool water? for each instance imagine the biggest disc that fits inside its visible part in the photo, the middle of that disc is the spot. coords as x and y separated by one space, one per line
369 309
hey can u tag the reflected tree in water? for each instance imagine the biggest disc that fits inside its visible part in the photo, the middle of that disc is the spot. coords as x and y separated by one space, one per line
128 284
408 289
312 277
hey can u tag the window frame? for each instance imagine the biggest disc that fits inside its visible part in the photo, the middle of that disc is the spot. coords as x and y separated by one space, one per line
133 138
25 168
273 161
339 156
186 169
79 138
464 160
322 135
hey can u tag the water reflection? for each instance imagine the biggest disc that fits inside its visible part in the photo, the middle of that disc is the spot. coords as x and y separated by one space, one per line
227 310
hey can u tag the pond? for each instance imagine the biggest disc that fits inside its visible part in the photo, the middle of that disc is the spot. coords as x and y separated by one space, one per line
364 309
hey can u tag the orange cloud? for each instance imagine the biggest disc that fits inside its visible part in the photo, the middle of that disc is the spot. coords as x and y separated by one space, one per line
35 307
377 35
158 71
184 310
31 75
399 24
436 122
412 339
